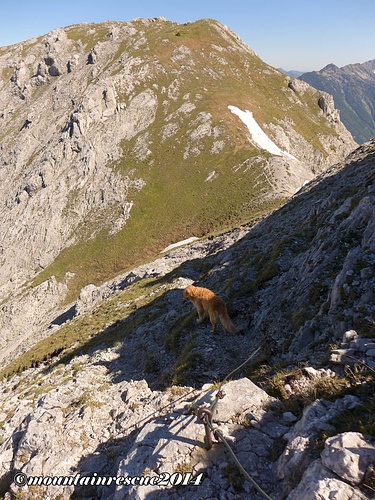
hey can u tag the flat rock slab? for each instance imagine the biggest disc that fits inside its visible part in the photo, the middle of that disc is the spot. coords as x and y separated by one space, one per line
239 396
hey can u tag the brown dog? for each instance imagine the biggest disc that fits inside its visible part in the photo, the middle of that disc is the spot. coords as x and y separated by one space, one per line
206 302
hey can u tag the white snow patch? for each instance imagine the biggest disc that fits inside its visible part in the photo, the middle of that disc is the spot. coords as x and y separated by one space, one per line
301 187
179 244
257 134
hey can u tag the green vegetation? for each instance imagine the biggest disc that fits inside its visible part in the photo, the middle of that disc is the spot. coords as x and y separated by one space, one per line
299 318
172 337
327 387
106 326
186 361
234 476
85 333
175 203
358 381
88 34
365 327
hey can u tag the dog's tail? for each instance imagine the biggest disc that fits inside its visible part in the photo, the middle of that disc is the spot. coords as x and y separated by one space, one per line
226 322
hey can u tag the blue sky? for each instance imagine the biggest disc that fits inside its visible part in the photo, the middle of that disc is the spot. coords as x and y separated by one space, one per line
302 35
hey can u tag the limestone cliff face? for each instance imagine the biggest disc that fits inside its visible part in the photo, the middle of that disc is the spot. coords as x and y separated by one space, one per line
91 114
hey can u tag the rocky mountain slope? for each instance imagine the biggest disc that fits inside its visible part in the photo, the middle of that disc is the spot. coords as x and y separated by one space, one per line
115 390
353 89
117 140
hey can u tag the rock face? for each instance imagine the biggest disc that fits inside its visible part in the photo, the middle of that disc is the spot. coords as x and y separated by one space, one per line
349 455
300 450
344 462
148 432
354 348
127 430
39 307
320 482
316 266
353 89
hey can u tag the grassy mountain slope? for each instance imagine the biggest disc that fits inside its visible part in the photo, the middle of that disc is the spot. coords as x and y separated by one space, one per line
131 146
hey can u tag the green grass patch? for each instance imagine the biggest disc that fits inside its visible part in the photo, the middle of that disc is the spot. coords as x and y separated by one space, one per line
180 373
172 338
358 381
365 327
85 333
175 203
88 34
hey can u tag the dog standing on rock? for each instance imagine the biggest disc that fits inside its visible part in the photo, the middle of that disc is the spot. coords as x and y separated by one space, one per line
208 303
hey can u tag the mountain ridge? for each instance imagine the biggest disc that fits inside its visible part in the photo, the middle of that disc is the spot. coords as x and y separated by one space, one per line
352 87
124 118
293 73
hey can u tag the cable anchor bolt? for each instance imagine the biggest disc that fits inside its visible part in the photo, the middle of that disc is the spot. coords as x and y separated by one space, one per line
205 415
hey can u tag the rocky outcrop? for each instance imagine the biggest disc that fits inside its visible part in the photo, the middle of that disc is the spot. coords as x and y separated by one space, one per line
320 482
124 429
355 349
300 450
328 260
24 318
345 461
350 456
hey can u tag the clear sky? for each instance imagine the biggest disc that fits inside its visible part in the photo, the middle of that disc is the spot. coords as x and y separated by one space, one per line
301 35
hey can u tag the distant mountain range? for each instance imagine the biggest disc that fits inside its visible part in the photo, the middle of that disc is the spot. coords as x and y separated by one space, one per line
353 90
292 73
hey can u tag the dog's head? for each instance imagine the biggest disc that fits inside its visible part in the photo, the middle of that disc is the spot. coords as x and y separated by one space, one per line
188 292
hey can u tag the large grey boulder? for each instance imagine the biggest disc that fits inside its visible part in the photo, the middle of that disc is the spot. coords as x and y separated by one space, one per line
349 455
238 395
320 483
301 450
